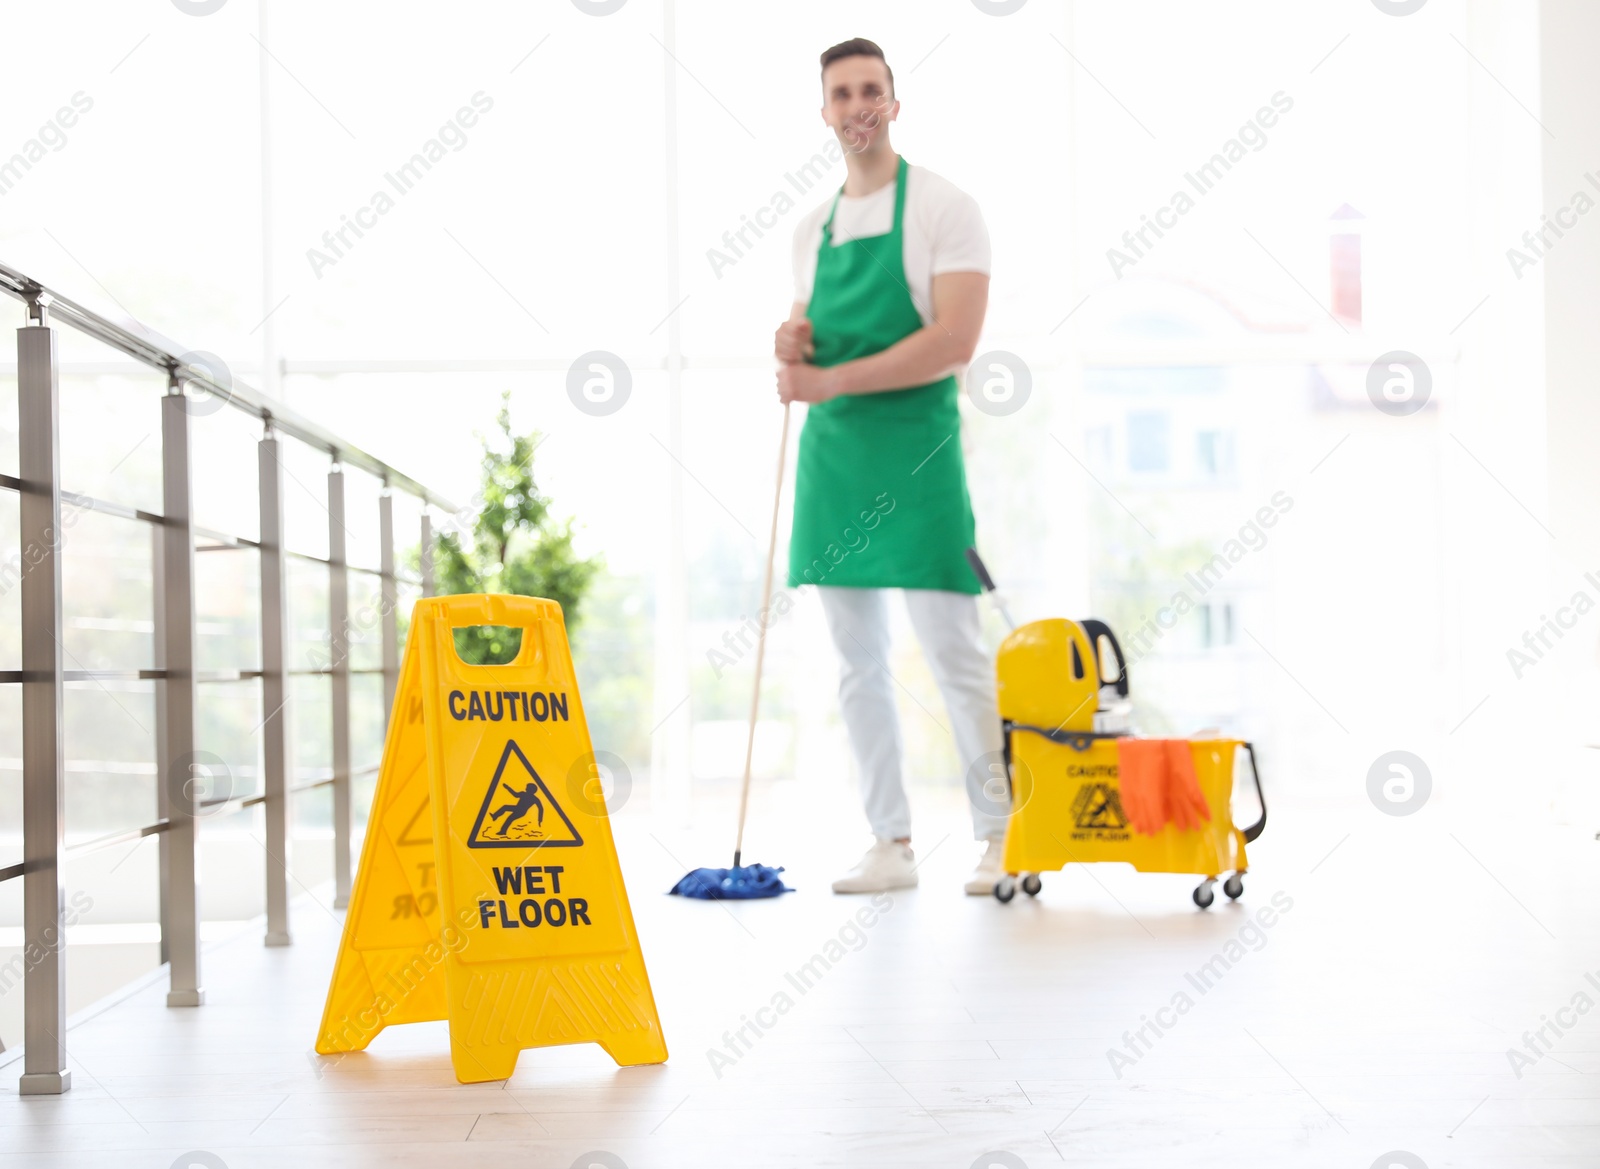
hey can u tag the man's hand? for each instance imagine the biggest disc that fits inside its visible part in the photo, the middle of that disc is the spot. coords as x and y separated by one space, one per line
792 342
799 382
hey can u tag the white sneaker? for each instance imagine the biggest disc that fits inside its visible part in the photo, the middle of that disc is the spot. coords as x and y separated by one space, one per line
988 873
888 864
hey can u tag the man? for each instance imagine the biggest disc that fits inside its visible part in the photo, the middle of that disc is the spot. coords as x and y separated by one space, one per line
891 284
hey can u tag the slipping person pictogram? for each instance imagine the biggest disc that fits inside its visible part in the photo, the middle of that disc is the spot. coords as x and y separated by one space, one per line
527 798
504 820
1098 805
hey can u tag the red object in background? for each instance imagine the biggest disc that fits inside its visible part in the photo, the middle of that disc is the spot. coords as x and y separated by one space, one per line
1344 256
1344 263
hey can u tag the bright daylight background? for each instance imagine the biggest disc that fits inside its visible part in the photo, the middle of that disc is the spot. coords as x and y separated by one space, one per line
1167 405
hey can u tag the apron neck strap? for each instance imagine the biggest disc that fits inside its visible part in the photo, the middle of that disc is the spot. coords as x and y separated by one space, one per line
899 194
899 202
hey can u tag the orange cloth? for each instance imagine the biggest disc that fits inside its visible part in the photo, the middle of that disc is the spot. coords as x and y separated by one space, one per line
1159 785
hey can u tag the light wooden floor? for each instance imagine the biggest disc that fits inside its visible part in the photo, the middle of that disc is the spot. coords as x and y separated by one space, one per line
1373 1016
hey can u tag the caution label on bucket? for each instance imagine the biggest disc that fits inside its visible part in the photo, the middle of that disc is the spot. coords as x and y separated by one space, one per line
1097 812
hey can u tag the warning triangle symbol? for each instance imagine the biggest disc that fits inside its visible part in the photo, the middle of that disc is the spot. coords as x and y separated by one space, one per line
417 830
1099 805
519 811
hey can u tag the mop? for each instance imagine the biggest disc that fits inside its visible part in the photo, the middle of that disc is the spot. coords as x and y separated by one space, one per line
744 882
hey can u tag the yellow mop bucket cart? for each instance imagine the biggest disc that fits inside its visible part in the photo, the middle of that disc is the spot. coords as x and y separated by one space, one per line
1057 704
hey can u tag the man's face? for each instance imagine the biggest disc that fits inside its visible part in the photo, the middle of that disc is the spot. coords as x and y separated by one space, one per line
857 103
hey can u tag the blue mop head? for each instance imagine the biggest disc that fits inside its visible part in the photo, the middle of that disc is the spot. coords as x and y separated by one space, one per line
737 884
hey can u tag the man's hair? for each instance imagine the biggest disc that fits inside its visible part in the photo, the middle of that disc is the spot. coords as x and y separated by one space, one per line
857 47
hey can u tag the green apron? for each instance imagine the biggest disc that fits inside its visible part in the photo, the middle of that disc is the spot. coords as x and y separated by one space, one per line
880 488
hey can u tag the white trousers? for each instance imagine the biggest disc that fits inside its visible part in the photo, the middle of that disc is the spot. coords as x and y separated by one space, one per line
946 625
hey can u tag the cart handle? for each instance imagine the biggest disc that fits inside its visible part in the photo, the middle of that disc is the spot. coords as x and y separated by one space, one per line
1095 631
1077 740
1255 829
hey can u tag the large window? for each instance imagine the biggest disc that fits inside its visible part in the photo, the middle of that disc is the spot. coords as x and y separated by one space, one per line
554 183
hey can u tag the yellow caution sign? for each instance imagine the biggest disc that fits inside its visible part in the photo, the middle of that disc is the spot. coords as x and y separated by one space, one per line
489 892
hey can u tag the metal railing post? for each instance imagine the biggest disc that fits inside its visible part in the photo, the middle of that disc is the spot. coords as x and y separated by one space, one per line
179 789
44 979
275 737
339 648
389 598
158 643
426 558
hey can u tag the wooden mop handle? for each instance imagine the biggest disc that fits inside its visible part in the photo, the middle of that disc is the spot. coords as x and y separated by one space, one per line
761 639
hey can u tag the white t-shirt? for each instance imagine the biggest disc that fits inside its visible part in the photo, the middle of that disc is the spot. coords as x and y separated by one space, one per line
942 231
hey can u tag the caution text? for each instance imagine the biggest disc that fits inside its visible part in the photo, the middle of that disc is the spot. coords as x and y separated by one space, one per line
517 705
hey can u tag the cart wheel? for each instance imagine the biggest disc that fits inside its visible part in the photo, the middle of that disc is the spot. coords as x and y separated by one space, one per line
1031 884
1234 886
1203 896
1005 889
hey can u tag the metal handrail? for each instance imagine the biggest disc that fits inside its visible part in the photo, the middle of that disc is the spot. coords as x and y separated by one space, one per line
158 352
175 540
123 836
